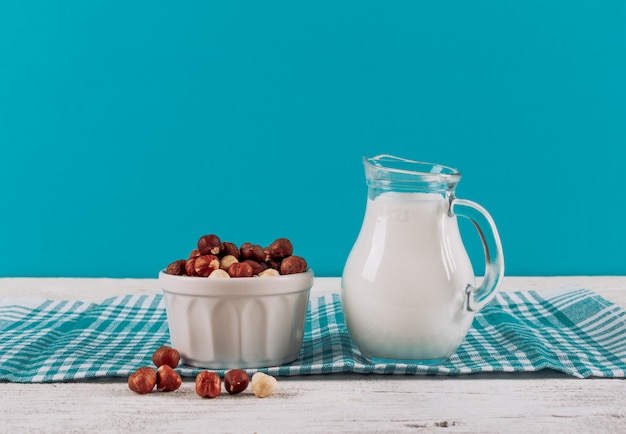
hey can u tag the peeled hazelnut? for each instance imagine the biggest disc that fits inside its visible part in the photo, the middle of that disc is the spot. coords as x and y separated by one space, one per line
240 269
227 261
230 249
209 245
167 379
208 384
263 385
270 272
177 268
257 267
205 264
219 274
143 380
236 381
281 248
293 265
166 356
252 251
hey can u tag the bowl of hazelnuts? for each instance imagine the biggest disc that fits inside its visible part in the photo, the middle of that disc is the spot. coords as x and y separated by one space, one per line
237 307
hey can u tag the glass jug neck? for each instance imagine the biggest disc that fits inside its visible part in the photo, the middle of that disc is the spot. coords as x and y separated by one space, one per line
387 173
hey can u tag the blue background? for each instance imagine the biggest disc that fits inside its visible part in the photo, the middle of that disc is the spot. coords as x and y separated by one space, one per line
129 129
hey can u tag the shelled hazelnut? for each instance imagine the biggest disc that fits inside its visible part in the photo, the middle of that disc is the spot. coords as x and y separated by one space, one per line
263 385
177 268
240 269
206 264
281 248
210 245
208 384
292 265
143 380
236 381
168 379
166 356
219 274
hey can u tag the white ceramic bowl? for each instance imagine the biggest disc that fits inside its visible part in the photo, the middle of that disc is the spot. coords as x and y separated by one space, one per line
237 323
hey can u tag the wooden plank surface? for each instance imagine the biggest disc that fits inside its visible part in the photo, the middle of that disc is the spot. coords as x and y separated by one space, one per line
348 403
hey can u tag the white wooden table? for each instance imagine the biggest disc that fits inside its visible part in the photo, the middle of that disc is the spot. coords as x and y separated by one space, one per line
353 403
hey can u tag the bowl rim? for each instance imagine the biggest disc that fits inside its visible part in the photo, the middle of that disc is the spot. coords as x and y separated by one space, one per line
241 286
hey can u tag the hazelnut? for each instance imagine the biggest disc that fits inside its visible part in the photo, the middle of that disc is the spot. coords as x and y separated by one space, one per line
252 251
281 248
194 254
227 261
209 245
257 267
263 385
190 266
240 269
293 265
274 263
236 381
205 264
270 272
176 268
230 249
143 380
166 356
219 274
167 379
208 384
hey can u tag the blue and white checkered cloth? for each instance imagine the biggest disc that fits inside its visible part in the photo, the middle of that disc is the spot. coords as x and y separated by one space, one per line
574 331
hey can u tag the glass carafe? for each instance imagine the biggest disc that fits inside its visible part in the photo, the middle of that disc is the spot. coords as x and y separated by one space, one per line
408 286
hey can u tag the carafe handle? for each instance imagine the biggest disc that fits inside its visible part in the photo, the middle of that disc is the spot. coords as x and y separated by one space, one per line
477 298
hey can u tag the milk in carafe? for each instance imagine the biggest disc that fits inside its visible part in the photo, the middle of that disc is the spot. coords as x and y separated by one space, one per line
404 281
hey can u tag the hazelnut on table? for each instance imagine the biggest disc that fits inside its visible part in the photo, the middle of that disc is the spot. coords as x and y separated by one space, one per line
143 380
168 379
236 381
208 384
165 355
263 385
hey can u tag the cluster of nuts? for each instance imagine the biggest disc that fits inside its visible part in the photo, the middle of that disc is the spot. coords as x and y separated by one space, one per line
216 258
208 384
165 378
